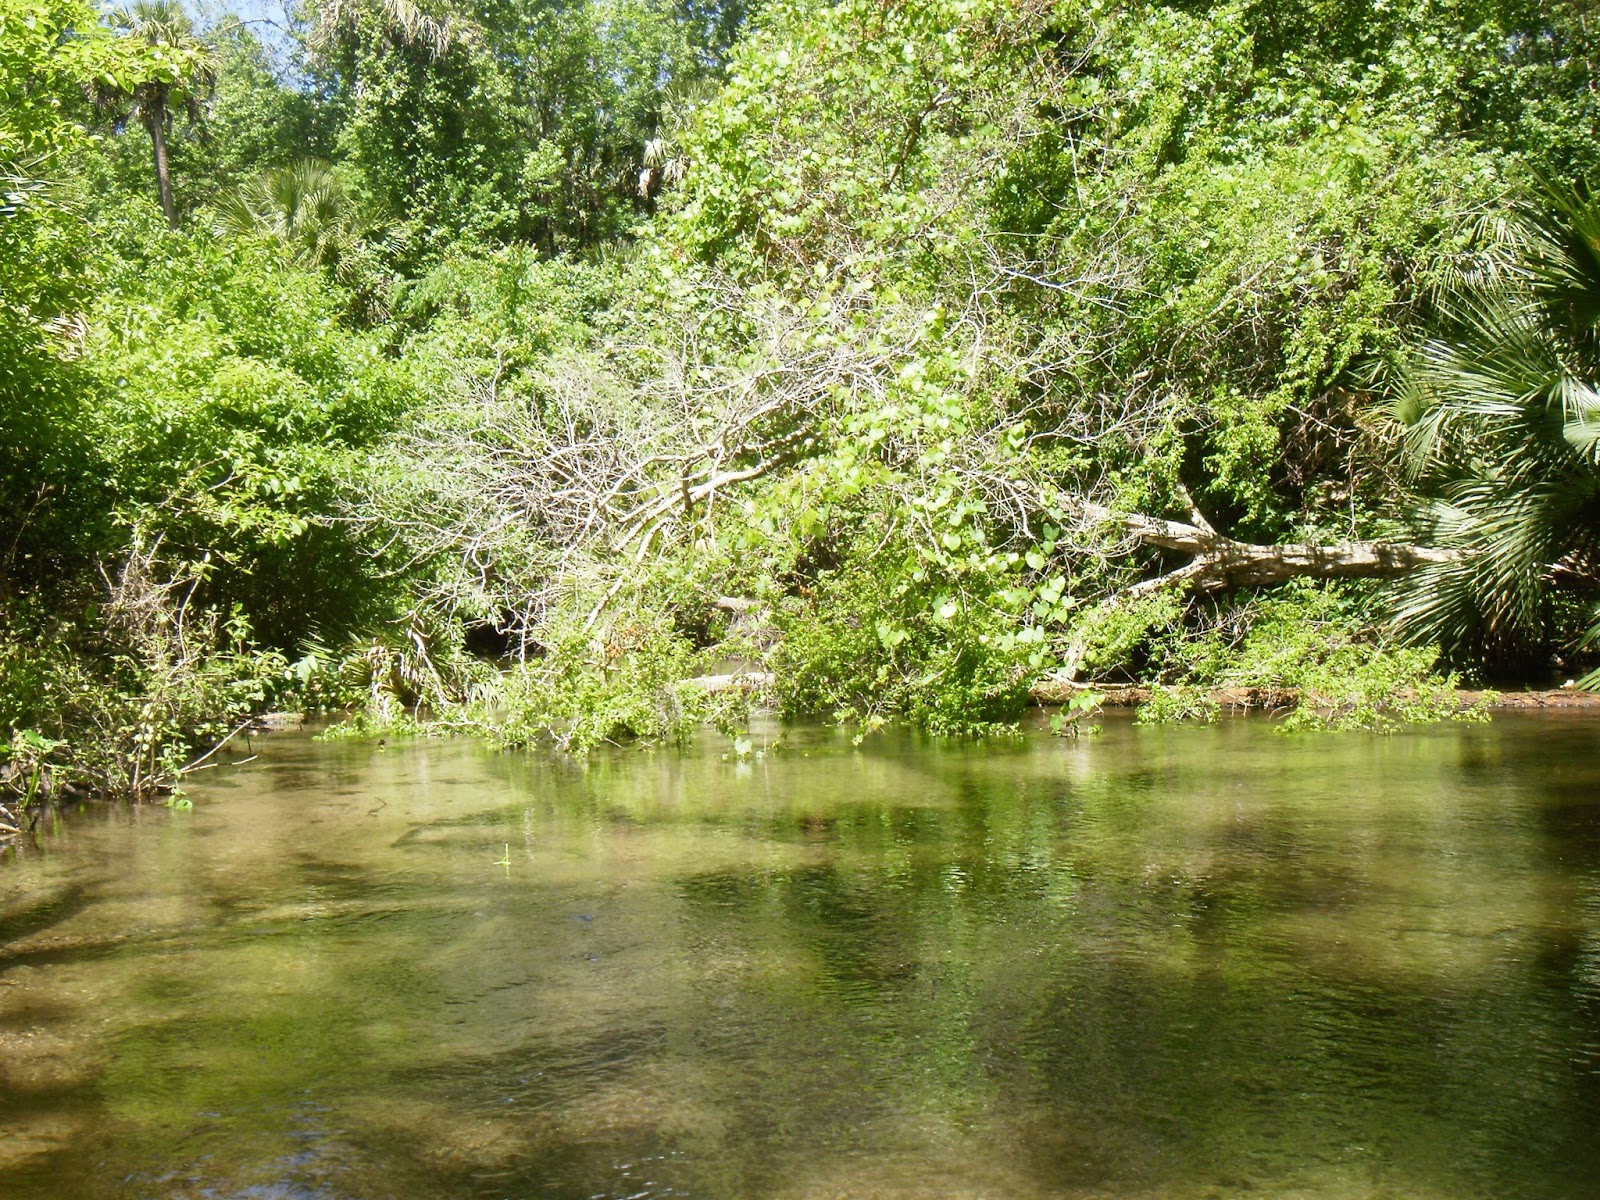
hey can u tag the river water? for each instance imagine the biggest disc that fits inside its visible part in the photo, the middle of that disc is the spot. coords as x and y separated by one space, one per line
1182 963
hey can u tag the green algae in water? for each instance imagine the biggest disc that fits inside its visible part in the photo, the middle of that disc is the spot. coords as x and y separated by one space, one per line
1159 963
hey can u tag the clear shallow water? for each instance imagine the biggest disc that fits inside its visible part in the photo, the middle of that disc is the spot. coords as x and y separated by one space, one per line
1210 962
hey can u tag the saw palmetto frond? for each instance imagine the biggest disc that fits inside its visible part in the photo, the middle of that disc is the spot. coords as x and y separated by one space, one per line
1502 428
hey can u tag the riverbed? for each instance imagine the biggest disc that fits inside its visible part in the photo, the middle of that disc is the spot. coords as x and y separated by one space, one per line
1194 962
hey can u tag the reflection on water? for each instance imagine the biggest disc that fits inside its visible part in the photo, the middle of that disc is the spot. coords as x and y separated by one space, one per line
1209 962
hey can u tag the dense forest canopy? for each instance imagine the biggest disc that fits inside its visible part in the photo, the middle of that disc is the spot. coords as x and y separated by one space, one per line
515 364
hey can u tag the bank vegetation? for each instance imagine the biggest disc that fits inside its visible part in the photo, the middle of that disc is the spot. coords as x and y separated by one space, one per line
513 368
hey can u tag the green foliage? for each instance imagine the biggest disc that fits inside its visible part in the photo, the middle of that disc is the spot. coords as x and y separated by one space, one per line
396 677
181 76
126 700
257 119
1016 257
629 679
1109 636
493 317
302 205
940 291
305 208
837 134
1503 422
1068 719
50 52
881 638
1308 649
25 771
1250 212
229 405
487 122
48 49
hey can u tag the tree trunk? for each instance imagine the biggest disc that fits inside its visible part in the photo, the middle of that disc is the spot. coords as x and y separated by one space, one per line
1220 563
158 145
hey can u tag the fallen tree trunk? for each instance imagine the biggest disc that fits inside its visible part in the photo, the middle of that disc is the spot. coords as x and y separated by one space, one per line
1220 563
743 681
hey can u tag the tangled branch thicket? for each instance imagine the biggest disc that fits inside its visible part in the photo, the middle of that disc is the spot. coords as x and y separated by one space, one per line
517 505
128 706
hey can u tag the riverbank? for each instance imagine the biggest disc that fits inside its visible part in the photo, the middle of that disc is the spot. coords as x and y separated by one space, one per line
1055 692
1273 700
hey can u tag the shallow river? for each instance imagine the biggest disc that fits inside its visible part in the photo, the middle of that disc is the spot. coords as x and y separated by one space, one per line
1202 962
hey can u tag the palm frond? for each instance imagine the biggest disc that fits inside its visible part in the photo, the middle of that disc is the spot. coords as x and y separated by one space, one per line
1563 260
305 207
408 22
1501 418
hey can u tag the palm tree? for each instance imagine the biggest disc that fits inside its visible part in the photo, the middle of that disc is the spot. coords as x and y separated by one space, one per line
184 74
409 23
303 206
1502 424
